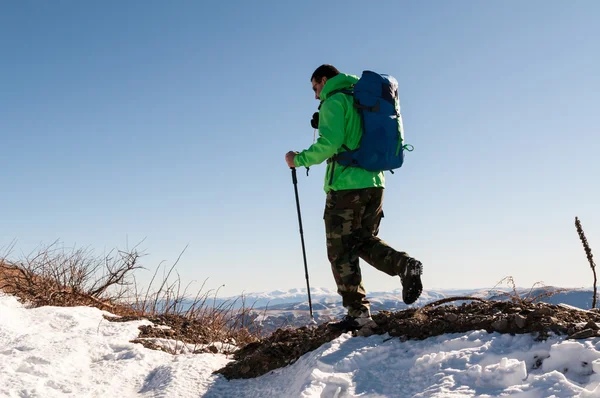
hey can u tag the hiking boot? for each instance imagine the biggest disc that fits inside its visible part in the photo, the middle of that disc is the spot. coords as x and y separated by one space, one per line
351 323
411 280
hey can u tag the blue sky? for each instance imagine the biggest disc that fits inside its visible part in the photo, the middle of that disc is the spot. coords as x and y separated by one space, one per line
168 122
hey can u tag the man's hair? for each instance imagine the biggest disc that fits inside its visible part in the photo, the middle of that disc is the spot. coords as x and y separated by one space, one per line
322 71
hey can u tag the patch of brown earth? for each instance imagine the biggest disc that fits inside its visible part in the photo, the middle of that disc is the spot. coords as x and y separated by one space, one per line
178 327
193 331
285 346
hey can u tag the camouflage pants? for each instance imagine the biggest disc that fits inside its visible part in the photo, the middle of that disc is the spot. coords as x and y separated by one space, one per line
352 220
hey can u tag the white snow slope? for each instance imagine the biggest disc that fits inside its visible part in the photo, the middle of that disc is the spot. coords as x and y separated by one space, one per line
74 352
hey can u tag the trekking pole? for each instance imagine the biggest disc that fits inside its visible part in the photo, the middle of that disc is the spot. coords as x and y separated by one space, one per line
295 181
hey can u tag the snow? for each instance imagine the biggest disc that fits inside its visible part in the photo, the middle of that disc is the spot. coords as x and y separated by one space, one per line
319 294
75 352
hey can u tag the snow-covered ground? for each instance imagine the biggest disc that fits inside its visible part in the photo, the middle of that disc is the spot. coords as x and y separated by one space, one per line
74 352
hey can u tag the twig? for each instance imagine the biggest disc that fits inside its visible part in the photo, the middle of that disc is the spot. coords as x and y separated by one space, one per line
588 253
450 299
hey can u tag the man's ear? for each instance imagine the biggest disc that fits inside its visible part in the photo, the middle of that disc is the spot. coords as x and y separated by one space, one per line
324 80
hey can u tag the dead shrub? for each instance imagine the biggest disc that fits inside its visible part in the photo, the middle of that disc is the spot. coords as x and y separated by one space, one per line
192 323
54 275
590 257
516 297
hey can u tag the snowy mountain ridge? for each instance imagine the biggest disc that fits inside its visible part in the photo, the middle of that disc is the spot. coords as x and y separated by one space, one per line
282 308
390 300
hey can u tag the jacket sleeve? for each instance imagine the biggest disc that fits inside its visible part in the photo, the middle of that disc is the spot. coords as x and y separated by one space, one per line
331 134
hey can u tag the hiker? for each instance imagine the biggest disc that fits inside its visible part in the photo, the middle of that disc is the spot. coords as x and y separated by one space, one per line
353 206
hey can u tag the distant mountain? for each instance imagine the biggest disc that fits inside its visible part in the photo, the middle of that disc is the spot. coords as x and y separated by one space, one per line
281 308
282 299
324 298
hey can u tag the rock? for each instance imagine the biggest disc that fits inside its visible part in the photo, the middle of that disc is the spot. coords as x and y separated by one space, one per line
584 334
451 317
592 325
500 325
513 310
520 321
543 311
365 332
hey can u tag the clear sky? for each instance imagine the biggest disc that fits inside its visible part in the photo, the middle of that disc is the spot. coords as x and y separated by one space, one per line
168 122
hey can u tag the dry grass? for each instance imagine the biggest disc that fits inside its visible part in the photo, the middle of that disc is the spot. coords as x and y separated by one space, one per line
57 276
53 275
198 321
514 296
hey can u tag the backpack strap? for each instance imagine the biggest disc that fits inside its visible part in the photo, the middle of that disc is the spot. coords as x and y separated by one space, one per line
338 155
346 91
357 105
334 158
374 108
343 91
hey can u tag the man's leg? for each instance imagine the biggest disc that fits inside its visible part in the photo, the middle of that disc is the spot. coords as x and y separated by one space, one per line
372 249
383 257
342 220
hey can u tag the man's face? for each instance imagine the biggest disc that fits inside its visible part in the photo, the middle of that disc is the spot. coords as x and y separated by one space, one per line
317 87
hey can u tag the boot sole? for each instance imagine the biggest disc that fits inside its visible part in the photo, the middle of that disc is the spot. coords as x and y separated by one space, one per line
414 286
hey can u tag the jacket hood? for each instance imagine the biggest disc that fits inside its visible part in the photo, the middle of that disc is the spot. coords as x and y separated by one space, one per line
340 82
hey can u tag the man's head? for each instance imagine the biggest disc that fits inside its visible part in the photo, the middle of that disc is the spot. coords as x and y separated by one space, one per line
320 76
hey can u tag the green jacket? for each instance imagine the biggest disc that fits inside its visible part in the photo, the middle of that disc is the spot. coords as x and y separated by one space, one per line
339 124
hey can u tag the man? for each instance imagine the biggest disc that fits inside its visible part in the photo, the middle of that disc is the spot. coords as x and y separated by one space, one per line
353 207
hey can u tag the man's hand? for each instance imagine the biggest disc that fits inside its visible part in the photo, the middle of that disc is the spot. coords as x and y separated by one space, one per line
289 158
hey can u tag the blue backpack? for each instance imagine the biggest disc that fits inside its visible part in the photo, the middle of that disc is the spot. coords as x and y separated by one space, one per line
382 143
